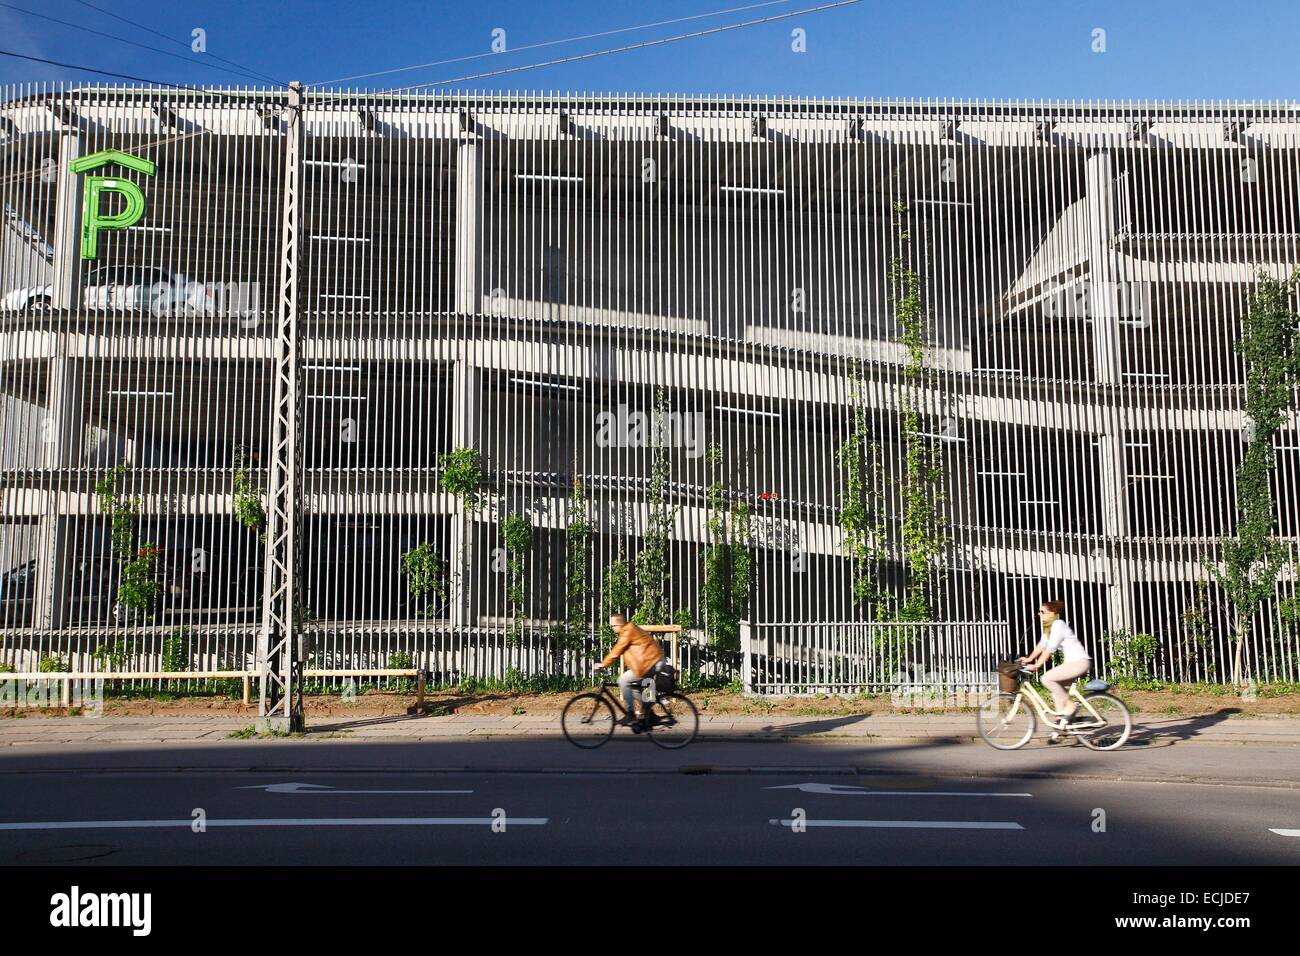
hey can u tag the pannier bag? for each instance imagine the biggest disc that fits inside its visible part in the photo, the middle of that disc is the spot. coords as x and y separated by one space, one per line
666 680
1008 675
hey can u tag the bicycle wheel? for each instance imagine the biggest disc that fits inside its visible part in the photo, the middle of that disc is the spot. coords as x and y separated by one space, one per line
1006 722
674 721
587 721
1114 728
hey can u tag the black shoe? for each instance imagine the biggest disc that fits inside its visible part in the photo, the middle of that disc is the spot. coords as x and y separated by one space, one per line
628 721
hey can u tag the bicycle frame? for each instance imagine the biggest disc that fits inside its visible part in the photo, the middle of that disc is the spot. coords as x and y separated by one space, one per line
1035 699
610 692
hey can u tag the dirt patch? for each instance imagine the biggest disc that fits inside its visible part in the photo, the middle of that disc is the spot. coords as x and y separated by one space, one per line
1171 701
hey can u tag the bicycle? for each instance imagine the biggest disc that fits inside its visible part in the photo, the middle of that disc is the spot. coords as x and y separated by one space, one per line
671 720
1102 722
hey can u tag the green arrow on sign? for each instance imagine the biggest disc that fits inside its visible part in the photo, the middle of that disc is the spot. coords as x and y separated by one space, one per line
92 220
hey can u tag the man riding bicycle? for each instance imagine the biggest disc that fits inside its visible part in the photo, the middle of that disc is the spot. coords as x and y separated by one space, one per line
641 655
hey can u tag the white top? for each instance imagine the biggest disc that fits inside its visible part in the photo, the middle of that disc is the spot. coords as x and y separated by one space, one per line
1063 637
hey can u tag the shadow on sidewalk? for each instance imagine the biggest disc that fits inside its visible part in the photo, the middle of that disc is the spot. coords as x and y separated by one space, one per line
443 708
1166 735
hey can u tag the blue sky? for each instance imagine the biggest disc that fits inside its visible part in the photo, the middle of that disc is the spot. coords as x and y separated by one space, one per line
1022 50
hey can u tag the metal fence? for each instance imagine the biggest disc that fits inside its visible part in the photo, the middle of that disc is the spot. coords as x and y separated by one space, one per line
854 657
655 325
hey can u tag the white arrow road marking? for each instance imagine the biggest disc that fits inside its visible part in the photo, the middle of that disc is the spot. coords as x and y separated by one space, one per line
867 791
321 788
1290 833
903 824
282 822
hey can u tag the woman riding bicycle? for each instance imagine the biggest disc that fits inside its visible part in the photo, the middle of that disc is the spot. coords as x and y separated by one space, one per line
1077 663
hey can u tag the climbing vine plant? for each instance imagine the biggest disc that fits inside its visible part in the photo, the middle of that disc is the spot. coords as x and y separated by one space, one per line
652 563
1253 556
862 519
425 577
616 594
577 586
922 540
518 533
137 588
728 560
460 473
247 497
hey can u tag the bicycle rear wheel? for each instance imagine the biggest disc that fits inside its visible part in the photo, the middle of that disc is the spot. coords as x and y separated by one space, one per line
1114 728
674 721
1006 722
587 721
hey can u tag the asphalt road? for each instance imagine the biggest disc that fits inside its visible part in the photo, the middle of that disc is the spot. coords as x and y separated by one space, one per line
544 801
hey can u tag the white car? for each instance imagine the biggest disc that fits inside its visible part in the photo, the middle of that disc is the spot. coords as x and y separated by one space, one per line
123 288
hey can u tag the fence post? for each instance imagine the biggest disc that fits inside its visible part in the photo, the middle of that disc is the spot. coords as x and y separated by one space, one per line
747 662
248 689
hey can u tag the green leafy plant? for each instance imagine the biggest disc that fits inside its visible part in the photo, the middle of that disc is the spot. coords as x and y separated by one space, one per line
247 498
53 664
460 473
137 590
728 560
616 596
425 577
116 654
572 635
922 540
862 518
401 661
517 531
516 681
652 571
1253 556
176 651
1132 658
1197 634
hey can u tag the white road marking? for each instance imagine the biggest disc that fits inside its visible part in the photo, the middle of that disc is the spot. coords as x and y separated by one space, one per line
1290 833
281 822
903 824
321 788
843 788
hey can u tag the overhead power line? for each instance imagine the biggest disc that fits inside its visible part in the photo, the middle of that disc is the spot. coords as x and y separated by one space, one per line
143 46
148 29
120 76
631 46
544 43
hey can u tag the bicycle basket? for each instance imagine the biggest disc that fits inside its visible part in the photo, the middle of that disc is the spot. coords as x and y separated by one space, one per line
1008 676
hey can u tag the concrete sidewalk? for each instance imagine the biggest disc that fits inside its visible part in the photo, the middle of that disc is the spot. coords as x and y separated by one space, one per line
892 728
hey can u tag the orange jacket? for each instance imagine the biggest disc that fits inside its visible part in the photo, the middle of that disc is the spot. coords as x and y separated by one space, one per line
638 648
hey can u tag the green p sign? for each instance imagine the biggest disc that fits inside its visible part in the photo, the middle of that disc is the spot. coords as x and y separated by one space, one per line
92 218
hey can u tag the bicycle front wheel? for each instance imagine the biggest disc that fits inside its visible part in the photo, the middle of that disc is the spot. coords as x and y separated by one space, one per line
1110 728
587 721
674 721
1006 722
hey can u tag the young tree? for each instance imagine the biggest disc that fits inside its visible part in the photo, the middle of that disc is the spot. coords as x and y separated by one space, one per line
1253 556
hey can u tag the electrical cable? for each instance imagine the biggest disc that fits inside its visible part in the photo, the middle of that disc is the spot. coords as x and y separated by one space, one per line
143 46
534 46
633 46
148 29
